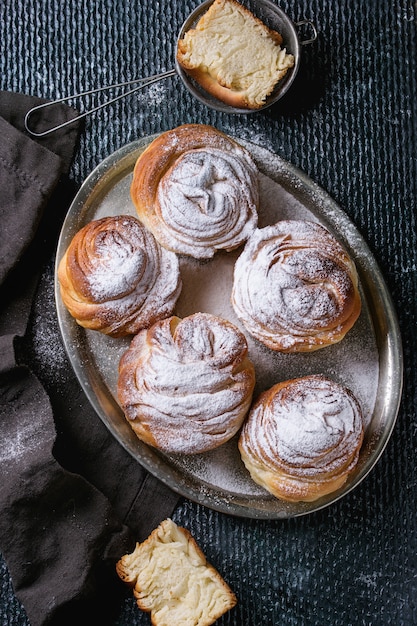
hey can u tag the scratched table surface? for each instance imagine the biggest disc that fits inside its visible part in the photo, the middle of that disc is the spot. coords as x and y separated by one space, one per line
349 122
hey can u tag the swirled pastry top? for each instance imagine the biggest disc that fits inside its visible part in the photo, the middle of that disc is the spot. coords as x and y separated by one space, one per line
295 287
115 278
302 438
196 189
186 385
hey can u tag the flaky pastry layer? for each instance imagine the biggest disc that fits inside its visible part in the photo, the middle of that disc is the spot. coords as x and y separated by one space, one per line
186 385
295 288
302 438
115 278
196 190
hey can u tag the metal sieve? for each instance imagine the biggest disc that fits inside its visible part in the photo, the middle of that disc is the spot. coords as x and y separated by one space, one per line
265 10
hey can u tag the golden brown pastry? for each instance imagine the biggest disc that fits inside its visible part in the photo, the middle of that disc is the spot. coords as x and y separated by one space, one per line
302 438
186 385
234 56
295 288
196 189
173 581
115 278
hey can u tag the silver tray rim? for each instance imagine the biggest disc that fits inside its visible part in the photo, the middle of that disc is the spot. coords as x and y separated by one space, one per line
379 301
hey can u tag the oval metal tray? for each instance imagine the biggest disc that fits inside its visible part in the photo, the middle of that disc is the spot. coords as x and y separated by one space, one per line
368 360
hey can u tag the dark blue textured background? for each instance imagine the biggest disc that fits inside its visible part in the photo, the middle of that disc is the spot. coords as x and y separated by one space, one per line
350 123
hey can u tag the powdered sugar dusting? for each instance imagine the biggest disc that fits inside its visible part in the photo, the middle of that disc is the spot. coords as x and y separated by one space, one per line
197 190
116 278
116 265
154 95
207 286
295 287
186 385
25 433
307 429
207 201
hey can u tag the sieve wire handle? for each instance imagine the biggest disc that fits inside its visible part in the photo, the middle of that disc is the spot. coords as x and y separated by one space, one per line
144 82
314 34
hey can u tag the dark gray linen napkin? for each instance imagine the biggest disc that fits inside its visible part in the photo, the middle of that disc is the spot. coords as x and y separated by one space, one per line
61 531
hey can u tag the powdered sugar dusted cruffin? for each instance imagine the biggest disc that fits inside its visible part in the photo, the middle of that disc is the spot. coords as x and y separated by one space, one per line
115 278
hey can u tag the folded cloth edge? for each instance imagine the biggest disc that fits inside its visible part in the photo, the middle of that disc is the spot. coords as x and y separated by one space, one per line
112 537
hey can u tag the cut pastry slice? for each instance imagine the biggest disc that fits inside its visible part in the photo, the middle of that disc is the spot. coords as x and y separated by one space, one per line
196 190
234 56
302 438
186 385
295 288
173 581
